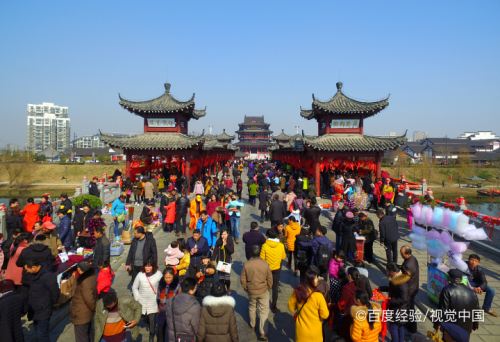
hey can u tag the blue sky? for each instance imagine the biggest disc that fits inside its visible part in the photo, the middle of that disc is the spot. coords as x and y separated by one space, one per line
439 60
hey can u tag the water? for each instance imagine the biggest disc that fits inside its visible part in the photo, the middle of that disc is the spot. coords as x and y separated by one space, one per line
490 209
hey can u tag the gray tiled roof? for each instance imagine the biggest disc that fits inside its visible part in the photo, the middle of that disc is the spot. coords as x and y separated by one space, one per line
353 143
282 136
152 141
344 105
165 103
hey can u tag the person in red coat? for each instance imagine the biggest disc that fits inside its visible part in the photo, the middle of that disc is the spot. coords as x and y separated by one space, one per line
169 216
31 215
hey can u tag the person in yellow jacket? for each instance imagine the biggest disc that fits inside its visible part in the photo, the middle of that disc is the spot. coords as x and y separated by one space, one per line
292 229
183 265
309 308
195 208
388 191
273 252
366 316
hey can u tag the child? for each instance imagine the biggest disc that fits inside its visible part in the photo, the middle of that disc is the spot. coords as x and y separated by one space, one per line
184 262
335 266
173 254
104 279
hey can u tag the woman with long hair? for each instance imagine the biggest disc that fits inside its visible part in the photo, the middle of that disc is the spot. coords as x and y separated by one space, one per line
309 308
224 249
167 289
366 315
145 290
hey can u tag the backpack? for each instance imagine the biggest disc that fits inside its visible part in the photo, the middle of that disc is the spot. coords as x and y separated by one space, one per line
302 258
323 256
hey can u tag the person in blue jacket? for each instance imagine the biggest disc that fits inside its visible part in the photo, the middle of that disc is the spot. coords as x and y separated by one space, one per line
208 228
119 213
64 230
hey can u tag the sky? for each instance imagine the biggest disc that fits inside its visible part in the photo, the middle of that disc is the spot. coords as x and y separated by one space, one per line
438 60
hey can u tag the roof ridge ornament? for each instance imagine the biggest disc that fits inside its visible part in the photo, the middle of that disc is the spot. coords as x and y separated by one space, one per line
167 87
339 86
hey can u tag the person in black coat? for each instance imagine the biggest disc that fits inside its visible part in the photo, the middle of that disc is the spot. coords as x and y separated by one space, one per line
337 222
135 259
389 235
66 206
197 246
223 251
93 189
277 211
312 214
252 238
410 266
398 302
46 209
43 293
263 199
303 253
11 311
101 248
81 219
367 230
349 226
458 298
181 210
13 219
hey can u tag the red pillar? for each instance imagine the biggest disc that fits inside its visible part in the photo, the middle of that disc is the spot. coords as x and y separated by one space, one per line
128 162
378 161
187 174
317 176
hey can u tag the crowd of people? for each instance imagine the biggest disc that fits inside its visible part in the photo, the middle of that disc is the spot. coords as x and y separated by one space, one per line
185 293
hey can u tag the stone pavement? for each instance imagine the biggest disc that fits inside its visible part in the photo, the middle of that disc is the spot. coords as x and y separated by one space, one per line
281 326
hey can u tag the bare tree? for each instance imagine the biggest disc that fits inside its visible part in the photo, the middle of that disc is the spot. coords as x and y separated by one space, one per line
18 167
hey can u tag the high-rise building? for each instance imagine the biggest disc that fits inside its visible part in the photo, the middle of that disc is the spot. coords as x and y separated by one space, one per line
48 126
88 141
419 135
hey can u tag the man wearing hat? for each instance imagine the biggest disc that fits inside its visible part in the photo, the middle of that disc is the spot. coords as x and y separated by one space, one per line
456 297
51 238
83 302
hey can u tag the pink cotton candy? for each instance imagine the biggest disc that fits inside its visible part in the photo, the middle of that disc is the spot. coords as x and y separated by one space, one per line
458 247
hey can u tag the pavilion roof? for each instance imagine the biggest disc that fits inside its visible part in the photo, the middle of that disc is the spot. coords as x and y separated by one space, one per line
353 142
163 104
152 141
282 136
341 104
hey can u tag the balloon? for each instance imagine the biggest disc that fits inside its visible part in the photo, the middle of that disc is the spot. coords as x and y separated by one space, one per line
476 234
419 230
458 247
456 261
446 238
453 220
437 217
446 218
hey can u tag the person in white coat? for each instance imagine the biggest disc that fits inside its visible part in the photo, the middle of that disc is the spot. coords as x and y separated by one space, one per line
144 289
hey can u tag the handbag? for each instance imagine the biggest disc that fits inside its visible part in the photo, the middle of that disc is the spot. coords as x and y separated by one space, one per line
180 337
121 218
222 266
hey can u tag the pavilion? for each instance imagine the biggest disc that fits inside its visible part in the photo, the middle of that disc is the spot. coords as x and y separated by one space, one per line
340 144
166 143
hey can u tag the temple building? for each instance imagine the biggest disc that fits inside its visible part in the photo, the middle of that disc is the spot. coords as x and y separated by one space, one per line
254 138
165 145
340 145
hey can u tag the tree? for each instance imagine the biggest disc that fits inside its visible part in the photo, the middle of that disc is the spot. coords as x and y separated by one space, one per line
18 167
